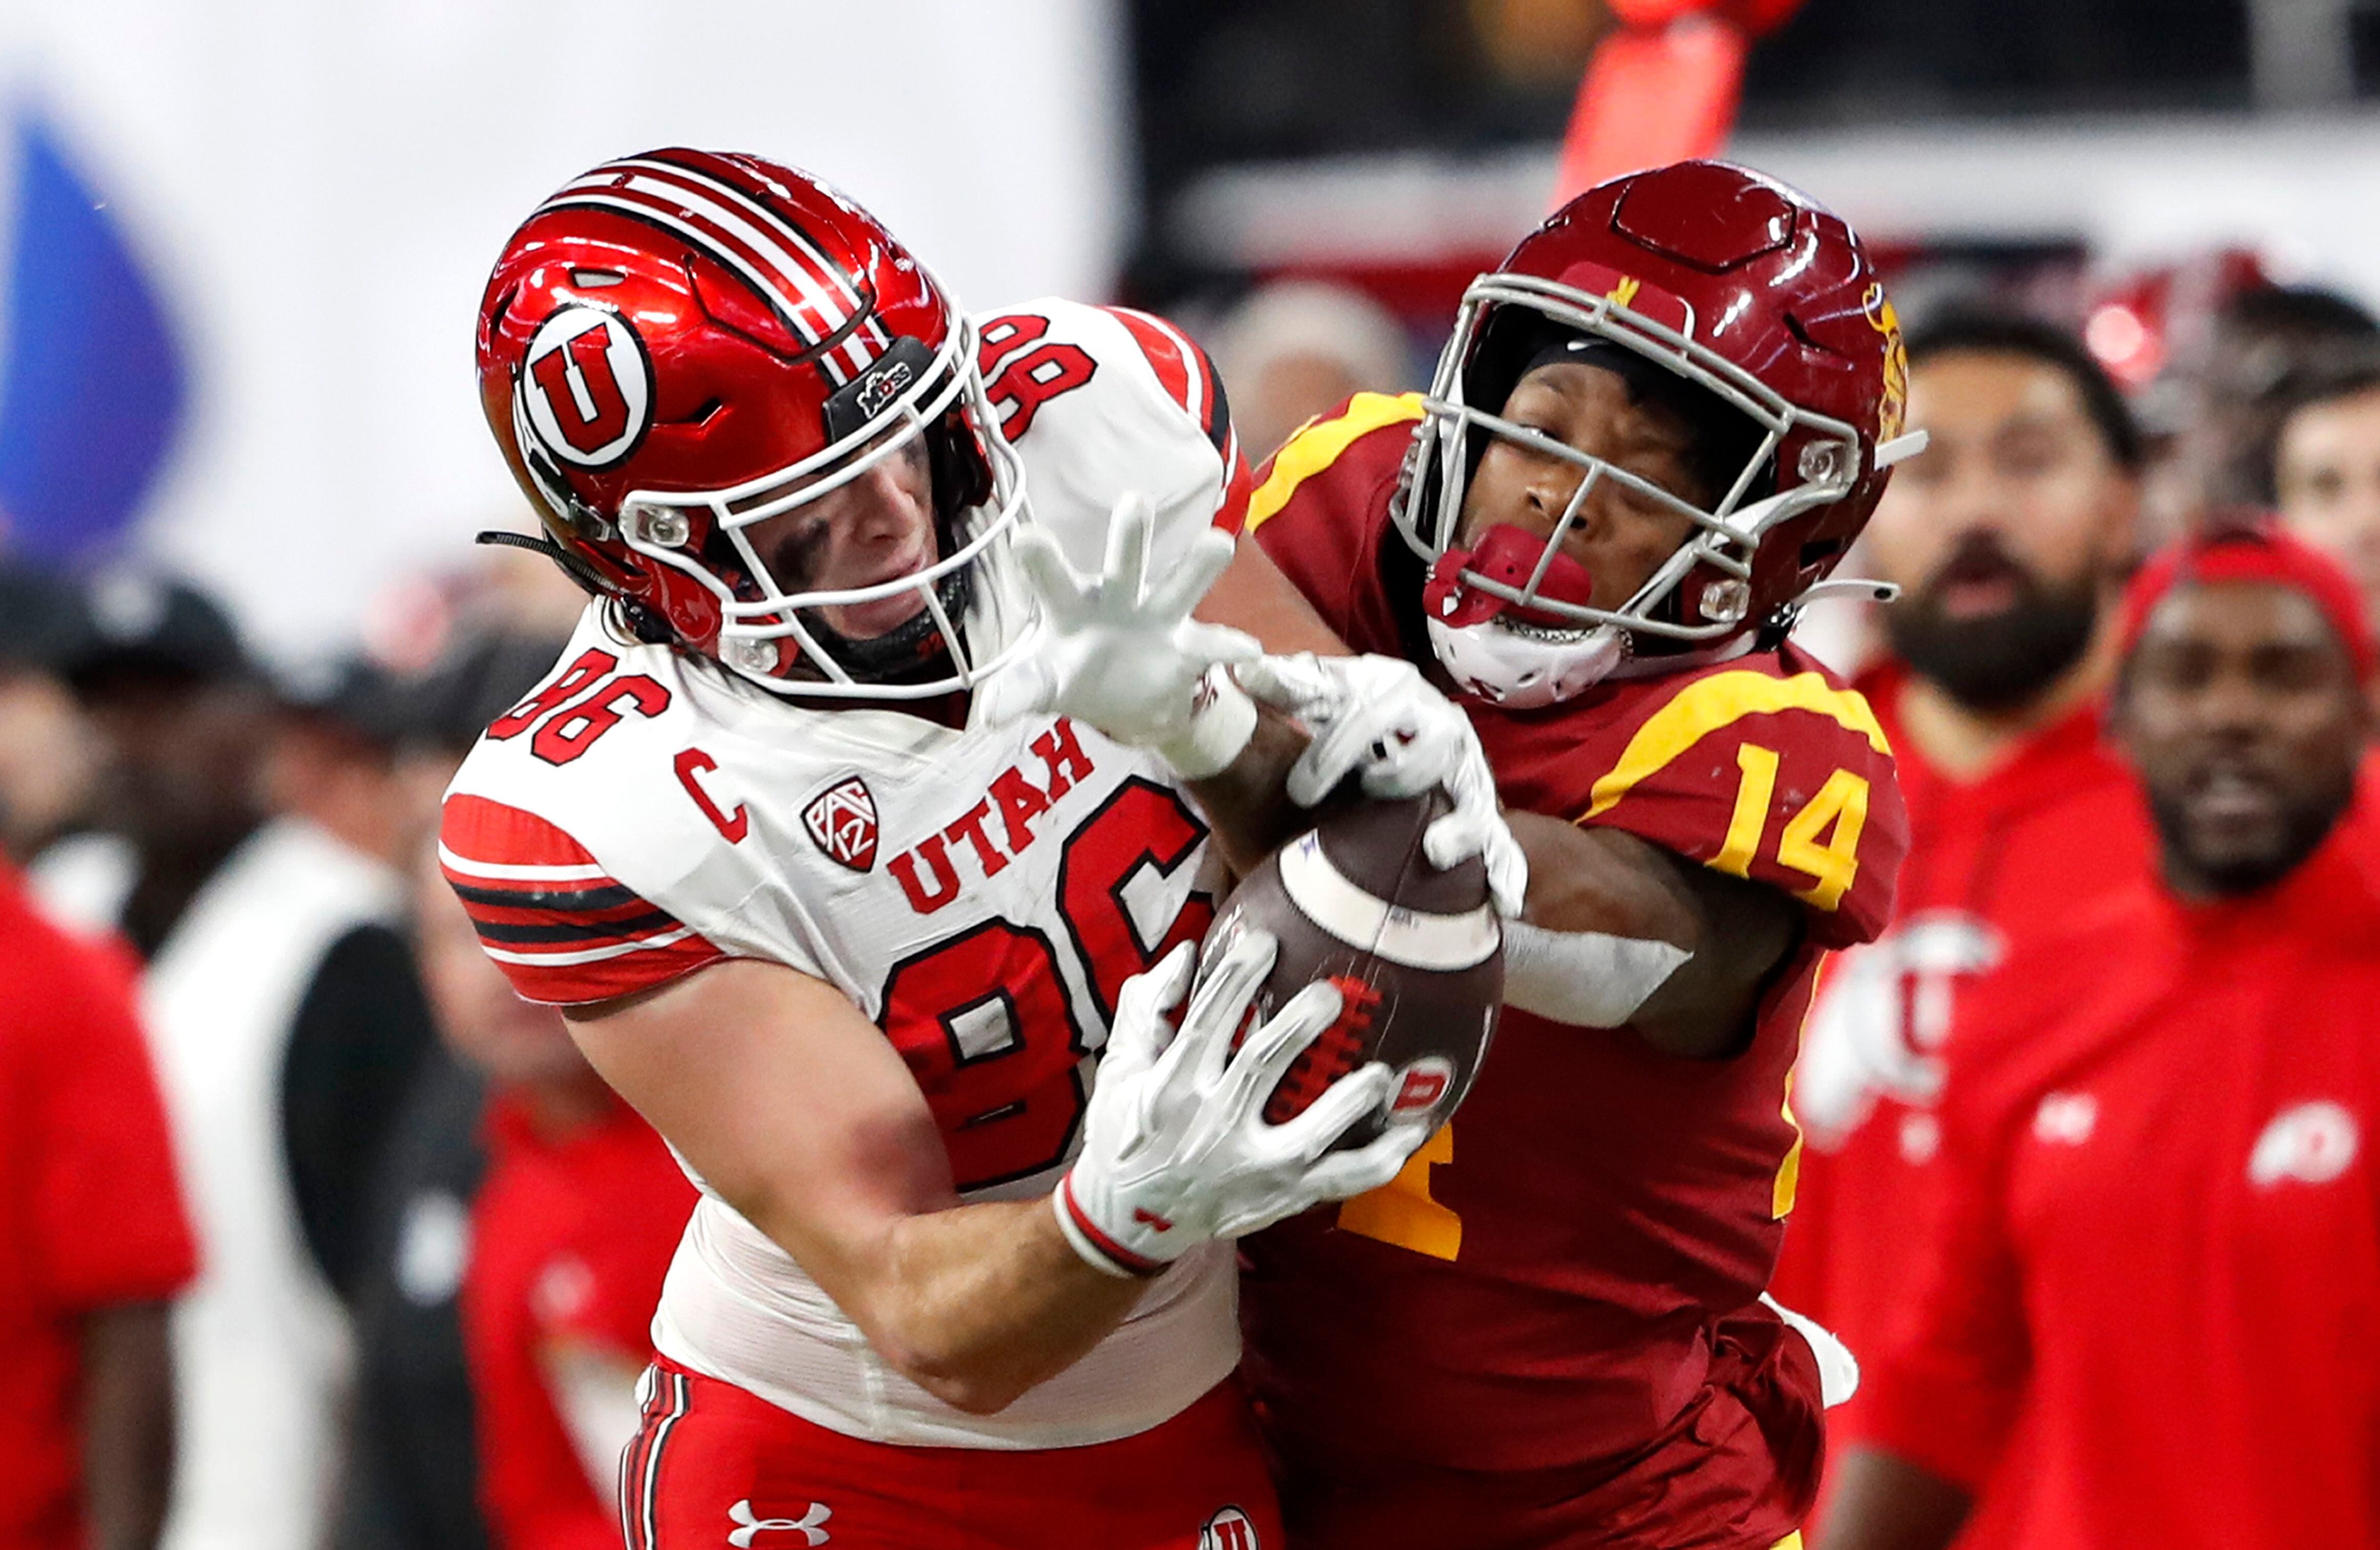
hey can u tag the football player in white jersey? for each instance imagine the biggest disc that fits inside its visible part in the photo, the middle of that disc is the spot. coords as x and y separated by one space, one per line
830 889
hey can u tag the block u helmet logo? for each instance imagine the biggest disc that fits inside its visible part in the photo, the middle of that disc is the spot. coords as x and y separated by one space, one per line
586 386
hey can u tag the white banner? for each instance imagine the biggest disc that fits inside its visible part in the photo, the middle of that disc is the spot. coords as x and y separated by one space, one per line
316 189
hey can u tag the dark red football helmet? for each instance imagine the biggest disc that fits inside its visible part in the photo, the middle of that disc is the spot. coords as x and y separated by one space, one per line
1733 283
677 346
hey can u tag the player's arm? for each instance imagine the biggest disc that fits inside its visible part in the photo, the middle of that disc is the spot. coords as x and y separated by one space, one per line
797 1111
1599 898
127 1422
1254 597
1887 1502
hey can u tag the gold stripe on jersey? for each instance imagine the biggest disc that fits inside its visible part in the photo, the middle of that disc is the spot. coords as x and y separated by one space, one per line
1318 444
1706 705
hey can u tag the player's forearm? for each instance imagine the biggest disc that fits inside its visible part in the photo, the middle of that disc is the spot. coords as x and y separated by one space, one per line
1600 882
1246 804
1887 1502
1252 596
127 1425
978 1303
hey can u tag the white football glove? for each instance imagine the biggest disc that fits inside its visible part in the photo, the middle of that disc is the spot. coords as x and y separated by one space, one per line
1379 716
1126 657
1176 1150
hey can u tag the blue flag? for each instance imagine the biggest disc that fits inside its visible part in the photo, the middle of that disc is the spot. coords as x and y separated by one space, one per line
92 381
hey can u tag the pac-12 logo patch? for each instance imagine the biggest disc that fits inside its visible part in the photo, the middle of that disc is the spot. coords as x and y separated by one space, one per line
588 386
842 819
1228 1530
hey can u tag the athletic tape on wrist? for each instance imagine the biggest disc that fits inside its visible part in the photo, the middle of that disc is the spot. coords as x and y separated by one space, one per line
1220 724
1583 978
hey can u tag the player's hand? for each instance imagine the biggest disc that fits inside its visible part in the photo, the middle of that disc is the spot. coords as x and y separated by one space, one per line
1378 715
1176 1150
1123 655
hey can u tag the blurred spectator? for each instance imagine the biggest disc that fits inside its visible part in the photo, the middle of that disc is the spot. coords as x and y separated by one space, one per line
413 1471
284 1016
1297 347
2010 536
2260 337
2324 463
46 753
573 1231
93 1247
335 759
2146 1316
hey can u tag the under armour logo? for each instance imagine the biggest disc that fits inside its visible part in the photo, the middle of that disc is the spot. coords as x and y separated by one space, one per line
748 1527
1147 1217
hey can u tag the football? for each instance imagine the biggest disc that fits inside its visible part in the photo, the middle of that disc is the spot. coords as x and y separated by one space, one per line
1417 954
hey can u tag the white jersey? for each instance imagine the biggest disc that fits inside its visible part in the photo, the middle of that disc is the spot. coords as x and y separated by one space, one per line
981 894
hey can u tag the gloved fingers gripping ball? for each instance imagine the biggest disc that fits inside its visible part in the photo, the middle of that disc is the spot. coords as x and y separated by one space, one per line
1378 719
1177 1149
1414 951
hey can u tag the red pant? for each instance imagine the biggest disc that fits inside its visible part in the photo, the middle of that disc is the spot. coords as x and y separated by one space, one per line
715 1466
1736 1471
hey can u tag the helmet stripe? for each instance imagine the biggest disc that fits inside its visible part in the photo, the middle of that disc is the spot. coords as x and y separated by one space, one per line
727 227
789 245
736 231
666 213
758 211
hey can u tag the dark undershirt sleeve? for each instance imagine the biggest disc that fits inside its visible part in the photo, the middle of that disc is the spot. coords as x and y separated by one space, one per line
360 1036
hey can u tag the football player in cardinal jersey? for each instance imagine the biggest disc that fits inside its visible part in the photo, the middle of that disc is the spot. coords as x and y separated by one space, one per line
1654 431
857 938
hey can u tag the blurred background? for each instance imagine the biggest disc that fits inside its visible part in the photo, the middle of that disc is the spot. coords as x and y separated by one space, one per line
243 240
241 462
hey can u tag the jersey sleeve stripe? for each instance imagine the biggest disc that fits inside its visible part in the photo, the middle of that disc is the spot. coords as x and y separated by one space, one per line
1319 443
1706 705
491 839
599 954
585 901
635 927
1184 369
562 929
500 872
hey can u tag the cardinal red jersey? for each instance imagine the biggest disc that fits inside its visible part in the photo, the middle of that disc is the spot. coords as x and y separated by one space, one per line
1994 864
1545 1288
2148 1316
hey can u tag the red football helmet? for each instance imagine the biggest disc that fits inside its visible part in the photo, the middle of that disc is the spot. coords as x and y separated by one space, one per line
677 346
1733 283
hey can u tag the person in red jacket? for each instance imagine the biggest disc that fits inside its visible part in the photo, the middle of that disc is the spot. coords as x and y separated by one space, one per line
571 1235
94 1247
2147 1317
2009 536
